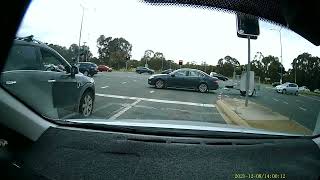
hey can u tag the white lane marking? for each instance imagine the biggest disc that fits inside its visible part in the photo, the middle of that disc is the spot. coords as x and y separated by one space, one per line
151 91
146 107
156 100
226 95
102 107
298 101
285 102
104 87
135 80
310 98
188 111
123 82
303 109
275 99
124 110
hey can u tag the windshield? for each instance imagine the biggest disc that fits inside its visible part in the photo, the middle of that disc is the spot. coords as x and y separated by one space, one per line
104 60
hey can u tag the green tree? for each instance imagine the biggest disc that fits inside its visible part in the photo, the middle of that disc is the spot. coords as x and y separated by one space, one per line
227 65
114 51
307 69
63 51
257 67
73 51
157 61
96 61
148 54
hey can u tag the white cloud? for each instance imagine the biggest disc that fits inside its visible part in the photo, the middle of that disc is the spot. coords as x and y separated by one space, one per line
191 34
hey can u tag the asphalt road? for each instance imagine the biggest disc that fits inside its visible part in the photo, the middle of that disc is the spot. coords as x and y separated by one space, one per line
303 109
127 95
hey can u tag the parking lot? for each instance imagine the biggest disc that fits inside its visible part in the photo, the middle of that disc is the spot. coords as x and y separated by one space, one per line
127 95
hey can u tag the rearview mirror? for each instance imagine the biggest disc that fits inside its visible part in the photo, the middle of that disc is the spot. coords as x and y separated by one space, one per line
74 71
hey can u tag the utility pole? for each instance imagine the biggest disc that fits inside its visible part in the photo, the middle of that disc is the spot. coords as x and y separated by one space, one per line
85 51
295 72
281 56
78 58
248 75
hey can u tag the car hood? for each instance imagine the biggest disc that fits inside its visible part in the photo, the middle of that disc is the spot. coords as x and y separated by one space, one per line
180 124
84 79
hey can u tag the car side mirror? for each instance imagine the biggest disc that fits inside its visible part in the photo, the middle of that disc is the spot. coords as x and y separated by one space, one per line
74 71
172 75
68 69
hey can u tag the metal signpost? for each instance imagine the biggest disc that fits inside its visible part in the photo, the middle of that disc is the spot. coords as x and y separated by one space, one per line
247 27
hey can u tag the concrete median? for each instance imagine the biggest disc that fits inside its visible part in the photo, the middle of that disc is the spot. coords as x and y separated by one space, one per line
258 116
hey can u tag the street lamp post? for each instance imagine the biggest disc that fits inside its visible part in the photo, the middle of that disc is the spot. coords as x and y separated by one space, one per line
295 72
78 58
280 53
85 51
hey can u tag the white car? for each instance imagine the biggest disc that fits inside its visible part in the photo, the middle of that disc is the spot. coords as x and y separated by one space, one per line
304 89
288 88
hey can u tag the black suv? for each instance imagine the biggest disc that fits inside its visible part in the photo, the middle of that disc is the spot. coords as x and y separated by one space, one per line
144 70
88 68
41 77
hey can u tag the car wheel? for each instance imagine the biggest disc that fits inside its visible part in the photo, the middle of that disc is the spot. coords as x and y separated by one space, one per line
203 87
86 73
86 104
284 91
254 91
159 84
296 93
243 93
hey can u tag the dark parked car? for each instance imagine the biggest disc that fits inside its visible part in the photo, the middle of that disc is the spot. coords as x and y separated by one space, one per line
144 70
185 78
167 71
88 68
39 75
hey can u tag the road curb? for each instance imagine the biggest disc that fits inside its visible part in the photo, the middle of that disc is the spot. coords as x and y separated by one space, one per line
289 126
236 119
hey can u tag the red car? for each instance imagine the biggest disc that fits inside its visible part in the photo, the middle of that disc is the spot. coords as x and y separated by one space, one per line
104 68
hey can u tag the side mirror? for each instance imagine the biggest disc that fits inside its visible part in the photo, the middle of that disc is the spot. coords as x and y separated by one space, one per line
172 75
74 71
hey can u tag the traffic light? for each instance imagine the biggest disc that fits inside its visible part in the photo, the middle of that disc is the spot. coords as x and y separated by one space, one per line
180 62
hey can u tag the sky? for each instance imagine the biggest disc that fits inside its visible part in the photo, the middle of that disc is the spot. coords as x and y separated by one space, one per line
180 33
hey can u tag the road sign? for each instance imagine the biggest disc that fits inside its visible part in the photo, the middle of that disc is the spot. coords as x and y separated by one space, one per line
180 62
